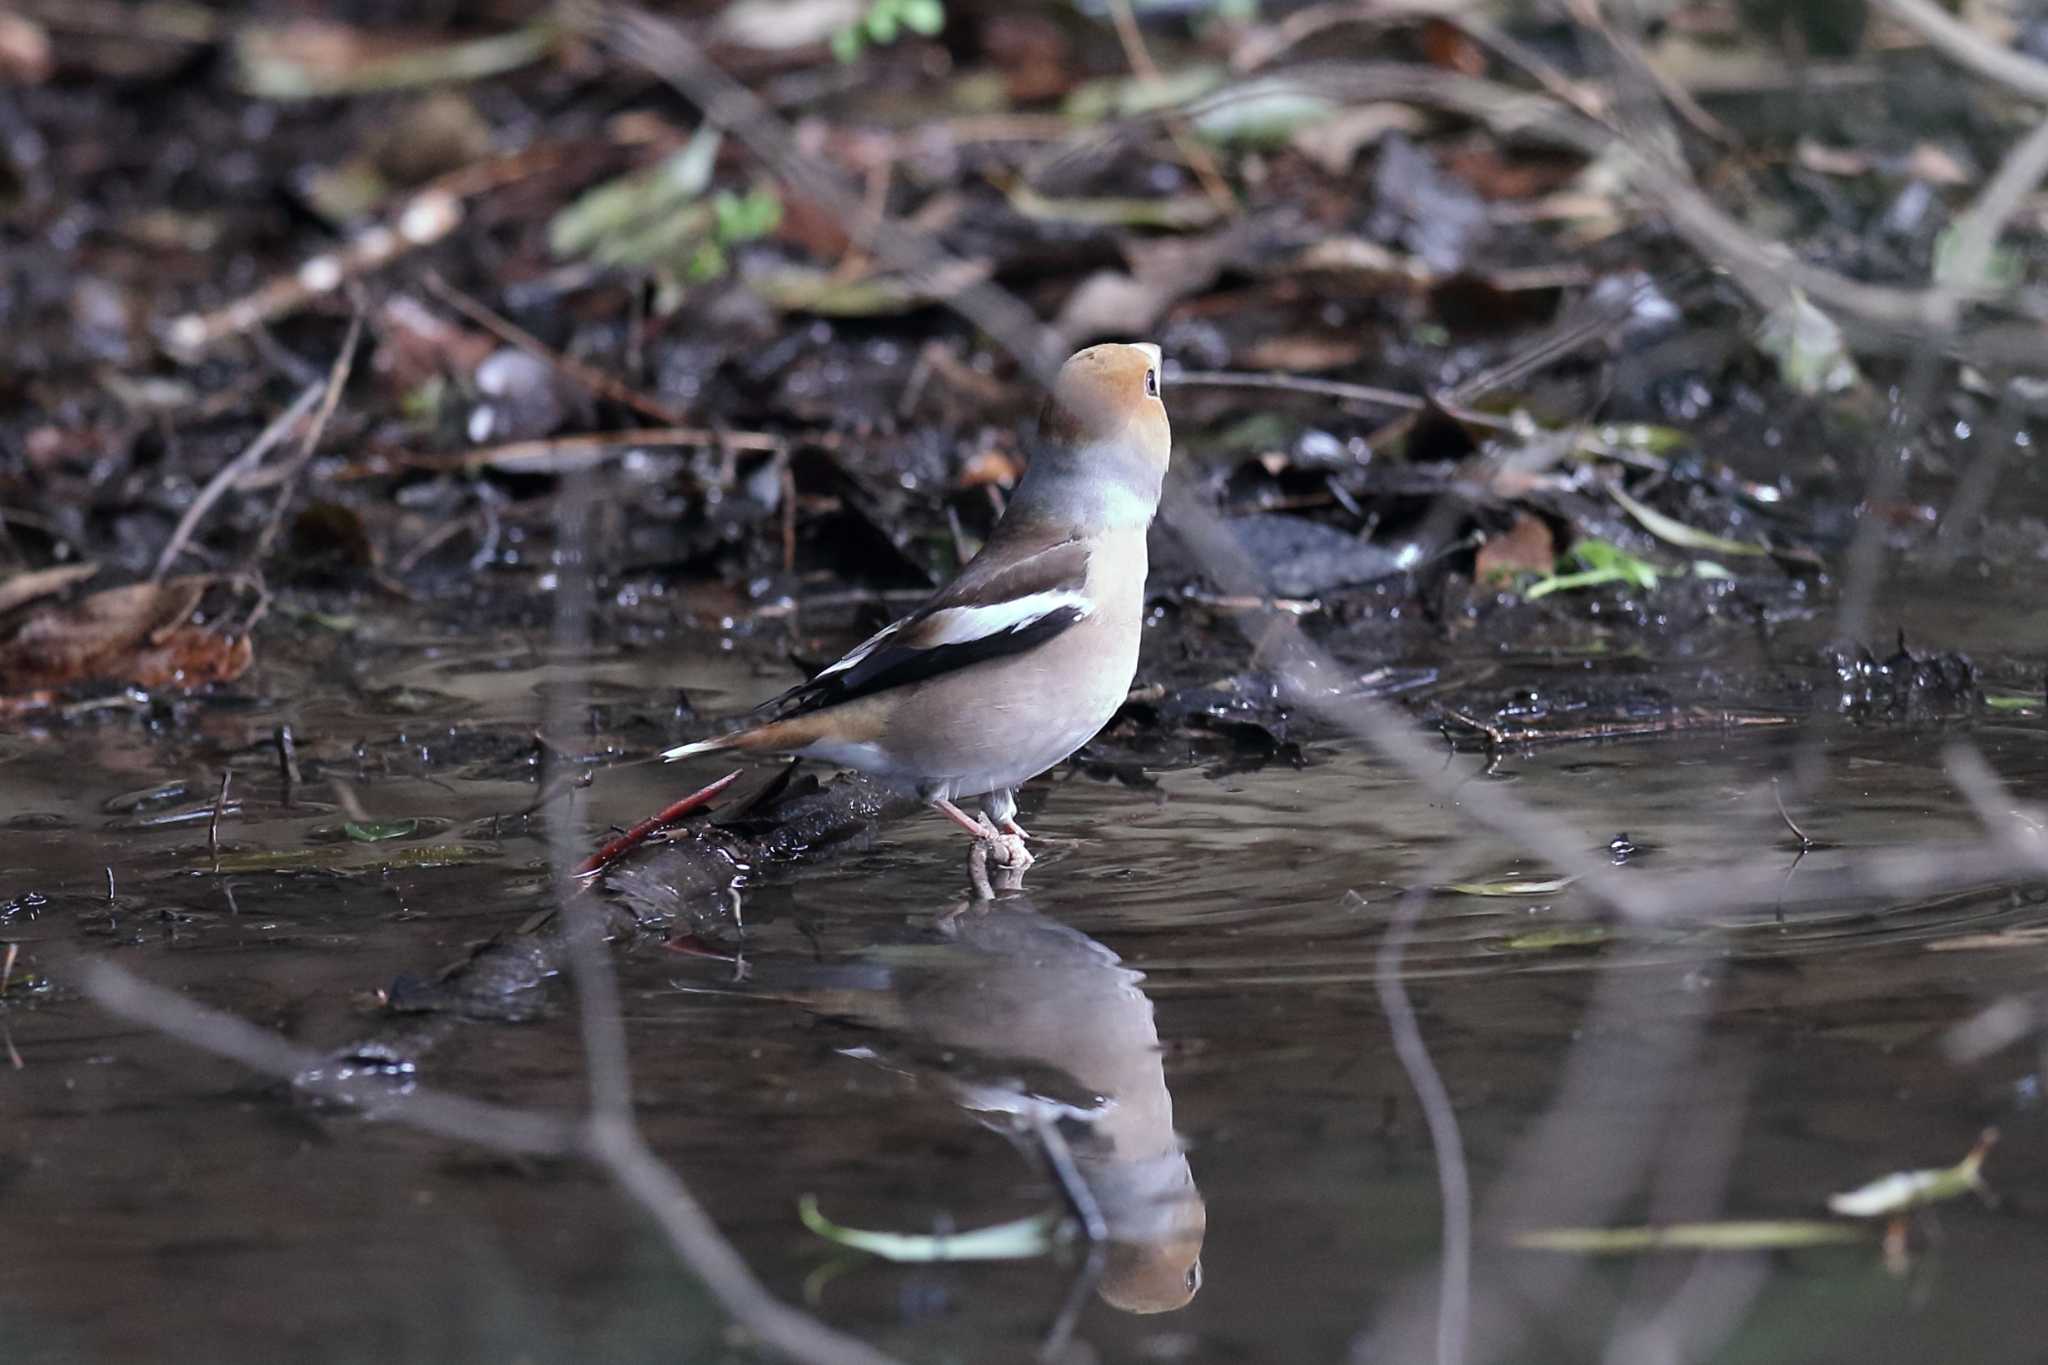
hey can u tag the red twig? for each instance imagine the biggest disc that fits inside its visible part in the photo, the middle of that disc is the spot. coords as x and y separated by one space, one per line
646 829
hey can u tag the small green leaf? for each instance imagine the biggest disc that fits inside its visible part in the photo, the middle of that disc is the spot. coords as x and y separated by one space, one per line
846 45
1808 346
1556 937
923 16
1604 563
1678 533
376 831
882 25
1513 885
1016 1241
745 217
707 262
1905 1190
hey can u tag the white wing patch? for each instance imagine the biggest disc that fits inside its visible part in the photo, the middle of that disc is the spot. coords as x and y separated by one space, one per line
862 650
963 625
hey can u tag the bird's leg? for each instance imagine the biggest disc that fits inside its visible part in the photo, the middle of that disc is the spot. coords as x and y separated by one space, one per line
1001 807
991 846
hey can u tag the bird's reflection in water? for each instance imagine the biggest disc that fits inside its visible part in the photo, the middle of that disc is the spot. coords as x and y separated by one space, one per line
1044 1032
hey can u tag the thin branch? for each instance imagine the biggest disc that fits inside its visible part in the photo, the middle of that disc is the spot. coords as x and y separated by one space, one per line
512 334
337 380
1132 39
1454 1185
2014 70
424 219
521 1131
1290 383
1978 227
1804 842
266 440
618 1151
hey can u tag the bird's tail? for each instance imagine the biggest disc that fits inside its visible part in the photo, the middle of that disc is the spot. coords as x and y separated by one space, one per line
776 737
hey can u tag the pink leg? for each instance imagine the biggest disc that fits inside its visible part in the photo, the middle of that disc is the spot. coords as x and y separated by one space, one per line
976 828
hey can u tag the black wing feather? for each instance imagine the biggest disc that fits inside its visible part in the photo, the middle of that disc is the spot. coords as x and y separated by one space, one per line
894 665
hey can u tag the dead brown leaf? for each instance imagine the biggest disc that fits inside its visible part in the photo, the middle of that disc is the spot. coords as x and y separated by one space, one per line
1302 354
1526 547
142 634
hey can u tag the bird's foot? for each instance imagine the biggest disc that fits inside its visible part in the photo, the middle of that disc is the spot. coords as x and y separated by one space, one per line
996 862
998 851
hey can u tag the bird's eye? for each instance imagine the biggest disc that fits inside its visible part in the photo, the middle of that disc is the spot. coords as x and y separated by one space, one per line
1151 383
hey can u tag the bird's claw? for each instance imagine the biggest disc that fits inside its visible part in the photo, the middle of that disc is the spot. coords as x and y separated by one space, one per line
1004 853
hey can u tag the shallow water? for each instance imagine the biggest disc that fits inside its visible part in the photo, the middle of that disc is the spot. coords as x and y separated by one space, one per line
1198 959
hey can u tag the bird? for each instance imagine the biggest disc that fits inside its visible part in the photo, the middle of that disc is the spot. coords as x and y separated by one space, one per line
1025 655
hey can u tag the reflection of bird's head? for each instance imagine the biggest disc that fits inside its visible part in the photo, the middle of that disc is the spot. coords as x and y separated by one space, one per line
1160 1274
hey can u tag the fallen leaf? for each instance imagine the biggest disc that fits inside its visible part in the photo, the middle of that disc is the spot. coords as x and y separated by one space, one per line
310 58
1514 884
376 831
1302 354
142 634
1526 547
1905 1190
1014 1241
1447 45
1678 533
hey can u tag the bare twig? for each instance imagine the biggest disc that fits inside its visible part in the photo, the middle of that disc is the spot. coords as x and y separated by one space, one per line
234 469
220 803
288 762
1289 383
2014 70
1977 229
614 1148
1589 13
512 334
1797 833
1198 157
337 380
559 454
425 218
1454 1187
498 1127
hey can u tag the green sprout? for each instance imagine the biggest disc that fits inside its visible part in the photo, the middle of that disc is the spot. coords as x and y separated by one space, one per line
884 23
1600 563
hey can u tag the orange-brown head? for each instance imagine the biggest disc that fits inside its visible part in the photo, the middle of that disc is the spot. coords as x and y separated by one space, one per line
1103 441
1163 1273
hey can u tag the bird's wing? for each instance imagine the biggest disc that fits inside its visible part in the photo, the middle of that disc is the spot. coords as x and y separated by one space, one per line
999 605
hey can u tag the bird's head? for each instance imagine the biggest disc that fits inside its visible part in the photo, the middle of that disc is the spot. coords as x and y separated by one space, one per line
1103 438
